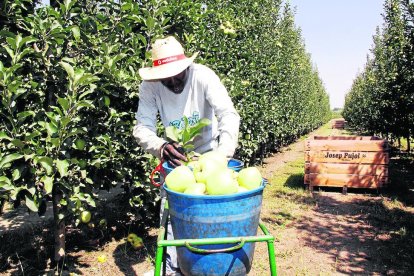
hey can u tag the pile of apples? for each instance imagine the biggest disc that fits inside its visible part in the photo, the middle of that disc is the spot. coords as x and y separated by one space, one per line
209 175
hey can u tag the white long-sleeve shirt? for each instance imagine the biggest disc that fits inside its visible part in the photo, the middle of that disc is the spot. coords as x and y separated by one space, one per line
204 96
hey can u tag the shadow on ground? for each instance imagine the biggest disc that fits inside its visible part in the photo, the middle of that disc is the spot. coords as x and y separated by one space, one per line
28 250
363 233
125 256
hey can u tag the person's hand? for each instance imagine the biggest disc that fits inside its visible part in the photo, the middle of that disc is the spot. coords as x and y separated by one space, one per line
173 154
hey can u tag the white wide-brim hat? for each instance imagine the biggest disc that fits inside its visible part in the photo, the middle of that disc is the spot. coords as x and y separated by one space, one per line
168 60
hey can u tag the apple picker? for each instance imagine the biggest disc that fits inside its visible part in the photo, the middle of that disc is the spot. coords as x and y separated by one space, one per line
175 87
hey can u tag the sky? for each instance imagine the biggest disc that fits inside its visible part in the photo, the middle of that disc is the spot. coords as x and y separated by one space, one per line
338 35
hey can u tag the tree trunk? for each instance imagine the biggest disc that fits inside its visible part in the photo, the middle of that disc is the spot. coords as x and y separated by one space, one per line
408 143
58 229
2 203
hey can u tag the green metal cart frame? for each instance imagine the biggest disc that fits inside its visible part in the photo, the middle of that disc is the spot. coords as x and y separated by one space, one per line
162 242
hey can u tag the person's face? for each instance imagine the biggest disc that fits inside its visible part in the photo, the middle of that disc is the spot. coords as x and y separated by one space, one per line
176 83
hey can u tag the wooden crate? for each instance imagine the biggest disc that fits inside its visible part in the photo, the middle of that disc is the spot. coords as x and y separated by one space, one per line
338 123
346 161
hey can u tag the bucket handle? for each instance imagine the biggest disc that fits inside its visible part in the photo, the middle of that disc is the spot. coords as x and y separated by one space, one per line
158 169
209 251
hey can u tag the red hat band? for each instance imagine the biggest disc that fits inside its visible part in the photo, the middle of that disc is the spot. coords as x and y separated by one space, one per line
166 60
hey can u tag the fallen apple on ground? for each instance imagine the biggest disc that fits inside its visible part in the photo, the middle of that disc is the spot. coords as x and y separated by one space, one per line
135 241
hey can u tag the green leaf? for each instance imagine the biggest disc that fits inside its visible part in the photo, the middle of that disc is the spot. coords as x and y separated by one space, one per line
58 111
150 22
173 133
17 143
18 41
65 121
78 75
195 130
10 158
76 32
51 128
62 166
48 183
69 69
16 174
84 103
24 114
90 200
186 132
47 164
15 191
68 4
5 183
24 53
32 190
107 100
3 136
31 203
86 79
9 51
55 141
26 40
64 103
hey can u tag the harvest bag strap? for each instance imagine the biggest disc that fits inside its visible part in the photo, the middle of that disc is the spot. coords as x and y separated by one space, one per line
160 170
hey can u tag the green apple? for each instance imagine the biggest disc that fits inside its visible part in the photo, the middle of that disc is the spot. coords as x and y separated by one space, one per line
85 216
241 189
221 182
250 178
180 178
102 258
196 189
205 167
193 164
215 156
80 144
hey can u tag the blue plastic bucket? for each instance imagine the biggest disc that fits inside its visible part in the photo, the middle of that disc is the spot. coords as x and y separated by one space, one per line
235 164
198 217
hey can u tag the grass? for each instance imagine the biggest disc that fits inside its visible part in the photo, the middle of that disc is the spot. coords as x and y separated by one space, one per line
285 200
285 197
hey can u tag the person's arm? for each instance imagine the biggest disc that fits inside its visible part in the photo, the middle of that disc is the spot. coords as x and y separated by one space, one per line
145 130
146 127
227 116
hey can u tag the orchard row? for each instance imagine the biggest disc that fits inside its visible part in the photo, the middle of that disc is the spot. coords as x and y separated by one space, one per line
381 99
69 86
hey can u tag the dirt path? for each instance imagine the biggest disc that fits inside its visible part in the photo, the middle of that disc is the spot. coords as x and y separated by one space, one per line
326 233
339 235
